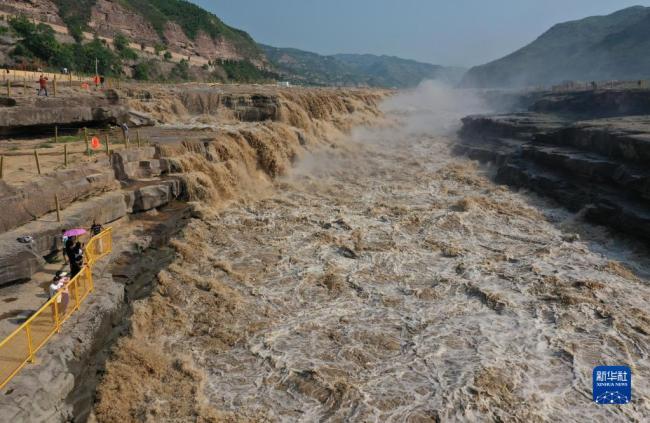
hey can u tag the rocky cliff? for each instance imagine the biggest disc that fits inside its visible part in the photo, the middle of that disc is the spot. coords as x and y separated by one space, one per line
178 26
586 150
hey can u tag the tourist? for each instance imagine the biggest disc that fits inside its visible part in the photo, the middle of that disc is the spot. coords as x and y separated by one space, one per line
69 251
96 81
42 84
64 241
101 81
77 259
95 228
125 131
64 299
54 288
55 285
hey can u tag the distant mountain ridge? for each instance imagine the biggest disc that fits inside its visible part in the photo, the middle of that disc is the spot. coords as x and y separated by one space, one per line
356 69
615 46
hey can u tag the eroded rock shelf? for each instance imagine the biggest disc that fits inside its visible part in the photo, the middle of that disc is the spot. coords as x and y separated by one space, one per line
577 149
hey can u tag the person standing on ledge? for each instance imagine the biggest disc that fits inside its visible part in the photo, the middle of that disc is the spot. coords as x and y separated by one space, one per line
64 241
125 131
42 85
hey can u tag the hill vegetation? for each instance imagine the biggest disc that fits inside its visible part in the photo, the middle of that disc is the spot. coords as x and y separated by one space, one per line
613 47
38 44
191 18
351 70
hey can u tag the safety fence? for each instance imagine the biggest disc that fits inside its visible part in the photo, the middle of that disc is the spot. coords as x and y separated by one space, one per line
21 346
18 82
66 142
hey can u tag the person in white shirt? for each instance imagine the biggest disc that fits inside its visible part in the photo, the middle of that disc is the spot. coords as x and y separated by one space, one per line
59 283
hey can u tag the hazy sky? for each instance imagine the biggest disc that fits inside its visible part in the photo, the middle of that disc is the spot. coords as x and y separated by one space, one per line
448 32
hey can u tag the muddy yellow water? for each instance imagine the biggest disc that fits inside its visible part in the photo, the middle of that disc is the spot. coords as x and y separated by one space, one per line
387 281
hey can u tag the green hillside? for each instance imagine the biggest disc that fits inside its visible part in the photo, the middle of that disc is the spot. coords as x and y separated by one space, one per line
616 46
352 69
190 17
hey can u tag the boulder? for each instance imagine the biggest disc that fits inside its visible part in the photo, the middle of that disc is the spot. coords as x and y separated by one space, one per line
152 196
18 262
138 163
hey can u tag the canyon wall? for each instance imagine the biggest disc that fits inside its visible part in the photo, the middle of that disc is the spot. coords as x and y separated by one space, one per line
587 150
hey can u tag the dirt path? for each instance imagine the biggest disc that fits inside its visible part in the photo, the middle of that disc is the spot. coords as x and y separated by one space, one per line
388 281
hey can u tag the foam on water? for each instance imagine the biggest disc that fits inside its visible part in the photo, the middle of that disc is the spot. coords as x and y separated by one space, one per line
387 281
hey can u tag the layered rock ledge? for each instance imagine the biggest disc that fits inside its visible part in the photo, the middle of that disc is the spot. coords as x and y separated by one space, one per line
577 149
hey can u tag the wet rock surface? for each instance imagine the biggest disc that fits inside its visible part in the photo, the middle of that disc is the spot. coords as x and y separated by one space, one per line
595 165
394 282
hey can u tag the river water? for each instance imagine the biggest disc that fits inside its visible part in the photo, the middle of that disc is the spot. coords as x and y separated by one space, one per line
387 280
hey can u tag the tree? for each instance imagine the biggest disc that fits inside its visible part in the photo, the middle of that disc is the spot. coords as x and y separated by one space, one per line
120 42
142 71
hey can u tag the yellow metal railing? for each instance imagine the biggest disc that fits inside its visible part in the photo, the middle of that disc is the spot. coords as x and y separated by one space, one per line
99 246
20 347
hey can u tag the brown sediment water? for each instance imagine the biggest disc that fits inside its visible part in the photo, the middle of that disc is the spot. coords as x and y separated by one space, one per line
381 280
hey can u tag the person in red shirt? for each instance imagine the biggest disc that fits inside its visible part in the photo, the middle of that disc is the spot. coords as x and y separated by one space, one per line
42 84
96 80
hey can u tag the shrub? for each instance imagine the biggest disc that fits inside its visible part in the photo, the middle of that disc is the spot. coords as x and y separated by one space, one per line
142 71
245 71
181 71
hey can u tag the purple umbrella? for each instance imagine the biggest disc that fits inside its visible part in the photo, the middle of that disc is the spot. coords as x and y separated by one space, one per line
74 232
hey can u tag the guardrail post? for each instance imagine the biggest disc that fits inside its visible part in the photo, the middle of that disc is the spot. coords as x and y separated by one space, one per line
58 208
57 321
91 284
2 166
76 289
65 155
38 163
86 140
54 86
29 343
56 134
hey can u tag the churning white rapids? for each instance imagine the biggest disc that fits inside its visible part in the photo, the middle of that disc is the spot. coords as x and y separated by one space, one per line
391 281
